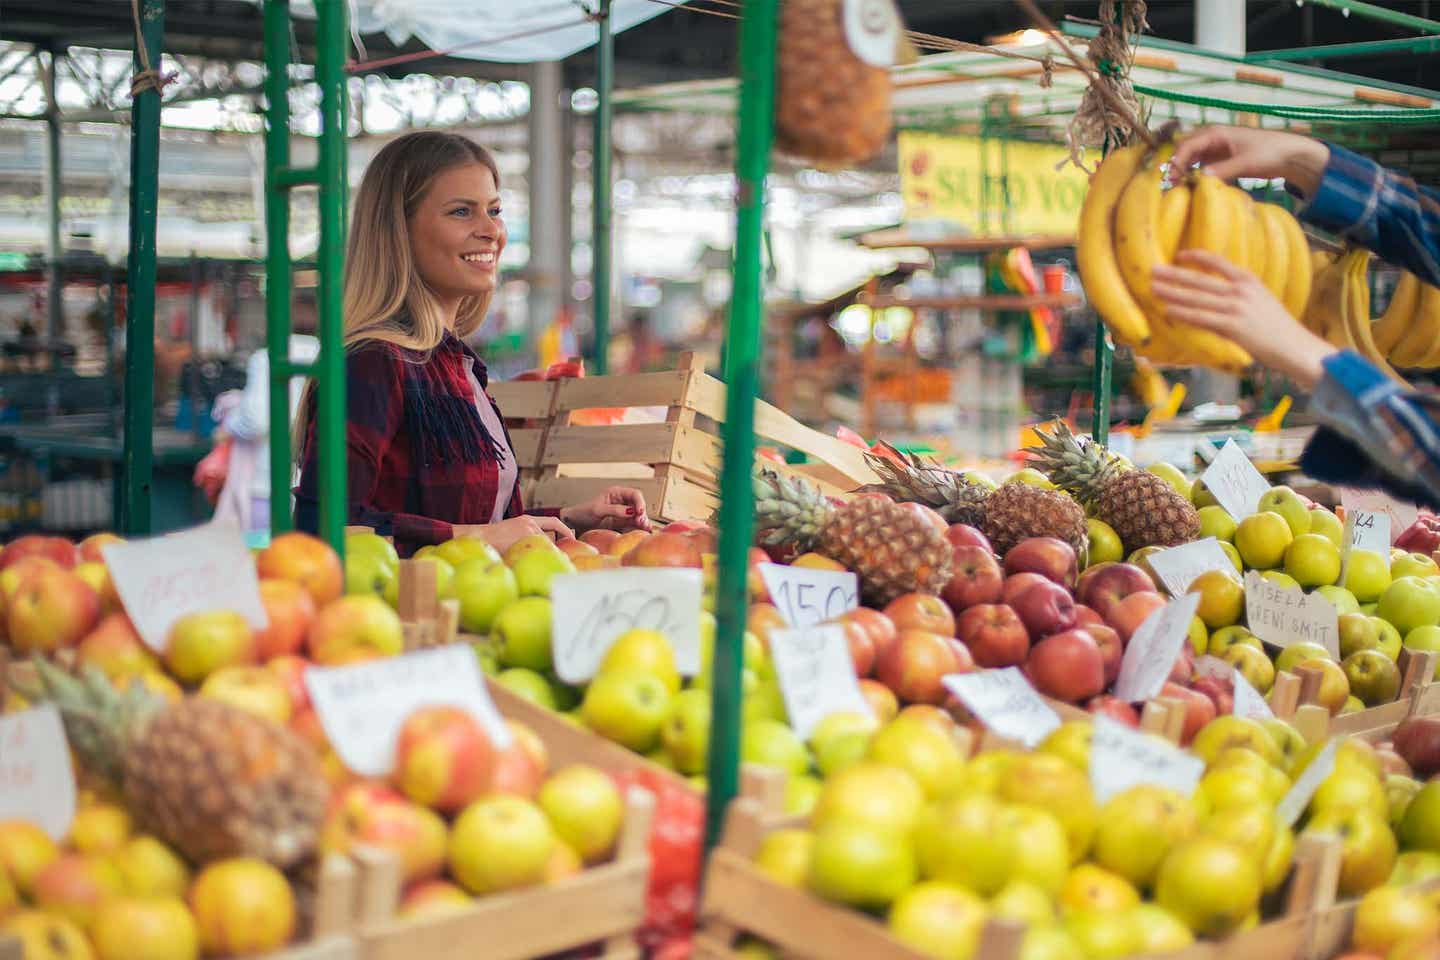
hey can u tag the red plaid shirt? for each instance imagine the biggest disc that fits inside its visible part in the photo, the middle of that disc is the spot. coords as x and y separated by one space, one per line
419 459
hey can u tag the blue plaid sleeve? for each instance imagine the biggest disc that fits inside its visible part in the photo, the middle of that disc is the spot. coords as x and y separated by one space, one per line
1381 210
1375 434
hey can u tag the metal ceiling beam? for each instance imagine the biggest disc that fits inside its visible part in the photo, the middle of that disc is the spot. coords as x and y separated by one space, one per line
1363 48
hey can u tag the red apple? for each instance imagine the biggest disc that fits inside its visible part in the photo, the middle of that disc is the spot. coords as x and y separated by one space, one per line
682 526
520 767
1018 583
1216 690
862 645
1085 617
1199 709
754 579
921 611
289 611
1067 666
1114 708
975 578
1111 650
1046 608
59 549
291 671
927 514
1050 557
706 540
881 628
663 550
882 700
443 758
964 535
964 662
599 538
1104 588
1127 615
573 548
995 635
761 618
1183 667
88 550
914 664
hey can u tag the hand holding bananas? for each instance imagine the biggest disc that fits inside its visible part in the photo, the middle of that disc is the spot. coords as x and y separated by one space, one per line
1235 304
1230 152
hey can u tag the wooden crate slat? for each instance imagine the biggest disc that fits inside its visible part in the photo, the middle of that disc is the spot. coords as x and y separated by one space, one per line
564 491
774 424
699 454
620 443
526 443
663 389
523 399
707 396
608 472
684 500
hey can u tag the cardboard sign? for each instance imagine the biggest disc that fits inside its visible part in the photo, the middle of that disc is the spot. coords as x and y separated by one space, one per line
806 596
591 610
1005 702
1122 757
1248 702
363 706
37 782
1234 481
165 578
1177 567
816 674
1367 531
1401 514
1153 650
1298 797
873 30
1285 615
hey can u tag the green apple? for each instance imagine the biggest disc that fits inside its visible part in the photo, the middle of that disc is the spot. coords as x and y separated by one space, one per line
1368 848
460 549
1312 560
535 568
685 732
1390 639
1287 503
484 587
1262 538
1357 632
1374 678
1298 653
566 697
1279 578
981 479
1201 496
628 708
801 795
367 572
487 652
1425 638
372 544
763 700
523 629
771 743
1413 565
1328 525
1216 522
643 651
784 856
1032 477
1105 543
1229 550
1253 663
1369 609
1199 635
1227 637
529 685
860 865
444 573
1171 474
1410 602
1343 600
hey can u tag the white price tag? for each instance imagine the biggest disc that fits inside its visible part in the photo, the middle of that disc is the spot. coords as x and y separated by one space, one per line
1177 567
1285 615
1367 531
872 30
162 579
1234 481
1401 514
37 782
1248 702
1153 650
1121 757
816 674
363 706
590 610
1005 702
1298 797
806 596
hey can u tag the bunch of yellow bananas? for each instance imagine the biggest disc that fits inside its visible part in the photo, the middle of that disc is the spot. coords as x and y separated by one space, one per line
1408 332
1339 312
1128 226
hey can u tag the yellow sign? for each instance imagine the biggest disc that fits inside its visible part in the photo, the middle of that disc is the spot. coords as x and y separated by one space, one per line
944 178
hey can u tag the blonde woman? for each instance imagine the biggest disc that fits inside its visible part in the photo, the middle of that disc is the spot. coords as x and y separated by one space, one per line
428 455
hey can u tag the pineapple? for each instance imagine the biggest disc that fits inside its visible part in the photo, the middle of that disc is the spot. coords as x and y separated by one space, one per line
207 778
914 480
1018 511
1142 507
893 548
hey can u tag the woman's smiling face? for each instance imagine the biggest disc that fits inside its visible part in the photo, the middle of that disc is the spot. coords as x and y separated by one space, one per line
457 234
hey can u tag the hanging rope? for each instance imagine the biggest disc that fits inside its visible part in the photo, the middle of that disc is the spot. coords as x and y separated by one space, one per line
148 78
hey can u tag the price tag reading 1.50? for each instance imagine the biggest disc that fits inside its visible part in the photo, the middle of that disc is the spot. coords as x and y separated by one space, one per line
591 610
806 596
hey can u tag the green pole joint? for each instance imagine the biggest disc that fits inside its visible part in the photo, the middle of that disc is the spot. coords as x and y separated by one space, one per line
138 456
756 110
602 232
277 256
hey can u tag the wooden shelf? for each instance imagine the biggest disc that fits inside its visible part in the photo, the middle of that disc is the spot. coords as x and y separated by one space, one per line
990 302
891 239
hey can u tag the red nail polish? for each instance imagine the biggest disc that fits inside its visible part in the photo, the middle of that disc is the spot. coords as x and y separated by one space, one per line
630 511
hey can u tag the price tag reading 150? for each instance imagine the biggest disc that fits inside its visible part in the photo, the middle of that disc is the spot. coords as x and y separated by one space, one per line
806 596
591 610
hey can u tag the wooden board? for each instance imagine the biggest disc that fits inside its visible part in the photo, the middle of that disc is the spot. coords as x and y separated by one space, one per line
1418 695
523 399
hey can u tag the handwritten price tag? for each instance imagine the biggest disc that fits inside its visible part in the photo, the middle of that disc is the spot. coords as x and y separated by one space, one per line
1237 485
1248 702
1286 615
37 782
1005 702
1177 567
1367 531
816 674
1153 650
1121 757
165 578
1401 514
591 610
1298 797
363 706
805 596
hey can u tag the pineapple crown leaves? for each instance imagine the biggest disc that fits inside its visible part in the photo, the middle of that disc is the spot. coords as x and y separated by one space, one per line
98 717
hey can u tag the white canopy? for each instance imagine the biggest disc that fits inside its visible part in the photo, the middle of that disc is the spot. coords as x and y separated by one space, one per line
509 31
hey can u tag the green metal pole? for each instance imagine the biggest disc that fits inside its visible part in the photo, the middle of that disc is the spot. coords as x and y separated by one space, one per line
138 455
277 256
1365 48
1385 15
758 29
602 232
332 37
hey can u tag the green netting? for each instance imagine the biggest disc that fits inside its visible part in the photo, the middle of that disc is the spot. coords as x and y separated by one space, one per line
1314 114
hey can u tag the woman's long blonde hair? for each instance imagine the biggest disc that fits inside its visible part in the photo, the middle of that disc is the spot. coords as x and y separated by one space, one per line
385 297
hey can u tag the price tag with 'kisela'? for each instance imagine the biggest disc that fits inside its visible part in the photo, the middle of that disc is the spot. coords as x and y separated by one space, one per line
816 674
591 610
1282 615
1122 757
1005 702
806 596
1152 651
1234 481
37 782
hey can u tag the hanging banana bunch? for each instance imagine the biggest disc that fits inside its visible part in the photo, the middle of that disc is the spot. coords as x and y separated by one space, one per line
1407 334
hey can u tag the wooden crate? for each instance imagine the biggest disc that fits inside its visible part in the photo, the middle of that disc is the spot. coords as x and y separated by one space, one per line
605 903
1419 696
674 463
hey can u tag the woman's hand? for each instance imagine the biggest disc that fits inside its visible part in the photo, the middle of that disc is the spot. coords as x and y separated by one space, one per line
618 508
501 535
1230 152
1234 303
